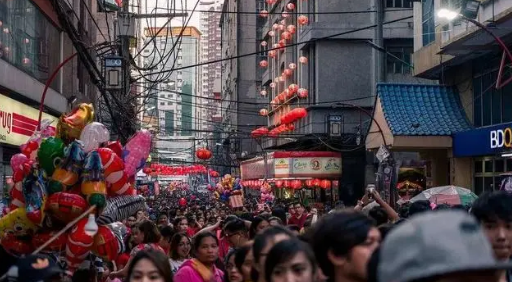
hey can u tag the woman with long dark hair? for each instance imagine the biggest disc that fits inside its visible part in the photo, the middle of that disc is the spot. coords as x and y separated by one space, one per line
244 261
179 250
257 226
290 258
149 265
232 272
201 268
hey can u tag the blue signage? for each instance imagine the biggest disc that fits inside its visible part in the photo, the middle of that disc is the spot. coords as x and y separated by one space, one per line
491 140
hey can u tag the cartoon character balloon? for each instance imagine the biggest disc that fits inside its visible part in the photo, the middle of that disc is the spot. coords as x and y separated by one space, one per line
93 183
136 152
71 125
16 223
68 172
93 135
78 245
34 191
50 153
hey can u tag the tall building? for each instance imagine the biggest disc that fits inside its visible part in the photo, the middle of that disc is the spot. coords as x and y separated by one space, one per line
210 51
241 77
32 45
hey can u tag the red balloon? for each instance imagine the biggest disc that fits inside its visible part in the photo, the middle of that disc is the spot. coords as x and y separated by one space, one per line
116 147
56 246
182 202
106 244
65 206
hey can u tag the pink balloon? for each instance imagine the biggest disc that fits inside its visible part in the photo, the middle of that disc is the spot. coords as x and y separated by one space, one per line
136 152
17 162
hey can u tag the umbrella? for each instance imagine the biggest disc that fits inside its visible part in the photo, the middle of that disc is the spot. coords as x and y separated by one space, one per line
451 195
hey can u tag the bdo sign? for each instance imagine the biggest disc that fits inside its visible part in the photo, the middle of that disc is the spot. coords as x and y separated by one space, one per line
501 138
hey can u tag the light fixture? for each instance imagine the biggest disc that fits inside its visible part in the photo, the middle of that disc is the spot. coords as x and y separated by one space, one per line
447 14
506 155
91 228
469 8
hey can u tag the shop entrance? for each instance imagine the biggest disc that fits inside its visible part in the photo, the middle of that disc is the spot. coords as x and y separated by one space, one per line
488 173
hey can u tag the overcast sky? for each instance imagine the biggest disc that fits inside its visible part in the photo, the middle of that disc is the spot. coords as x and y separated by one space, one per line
163 4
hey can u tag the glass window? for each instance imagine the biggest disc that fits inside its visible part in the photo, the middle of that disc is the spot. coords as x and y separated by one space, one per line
479 185
488 166
398 3
488 184
28 40
399 59
428 23
509 165
499 165
479 166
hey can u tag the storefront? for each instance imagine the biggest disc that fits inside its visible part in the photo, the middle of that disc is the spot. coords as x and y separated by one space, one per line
490 150
17 123
311 177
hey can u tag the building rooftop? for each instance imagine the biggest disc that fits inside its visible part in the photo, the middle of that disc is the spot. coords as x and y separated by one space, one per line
419 109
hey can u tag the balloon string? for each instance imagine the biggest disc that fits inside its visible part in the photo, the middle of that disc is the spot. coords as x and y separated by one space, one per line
69 225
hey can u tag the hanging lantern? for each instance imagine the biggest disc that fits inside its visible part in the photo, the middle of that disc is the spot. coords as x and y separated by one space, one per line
325 184
286 184
26 61
290 127
302 93
275 46
293 88
282 79
303 60
26 41
264 43
309 183
263 13
281 27
272 85
291 29
263 112
287 93
276 80
279 184
275 26
263 63
270 2
203 154
287 72
290 6
286 35
285 14
296 184
292 66
263 92
271 33
272 53
316 182
303 20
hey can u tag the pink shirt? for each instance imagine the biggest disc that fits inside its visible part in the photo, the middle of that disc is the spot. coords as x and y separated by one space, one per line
188 274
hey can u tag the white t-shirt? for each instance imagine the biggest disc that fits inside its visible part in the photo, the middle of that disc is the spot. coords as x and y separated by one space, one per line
175 265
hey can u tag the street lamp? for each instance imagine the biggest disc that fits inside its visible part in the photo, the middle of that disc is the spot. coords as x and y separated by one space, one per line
469 12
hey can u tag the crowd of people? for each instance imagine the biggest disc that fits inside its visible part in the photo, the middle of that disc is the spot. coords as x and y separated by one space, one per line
205 241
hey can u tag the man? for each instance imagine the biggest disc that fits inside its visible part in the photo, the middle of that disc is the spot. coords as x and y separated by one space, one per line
165 240
440 246
35 268
299 217
343 243
494 213
236 233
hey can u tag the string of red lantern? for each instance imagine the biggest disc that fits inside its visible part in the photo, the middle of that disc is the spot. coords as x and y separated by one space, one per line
292 184
161 169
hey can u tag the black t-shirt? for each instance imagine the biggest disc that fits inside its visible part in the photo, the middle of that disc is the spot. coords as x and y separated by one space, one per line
6 261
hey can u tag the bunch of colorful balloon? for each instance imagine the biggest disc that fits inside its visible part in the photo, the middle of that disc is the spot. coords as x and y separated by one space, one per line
73 179
227 186
266 193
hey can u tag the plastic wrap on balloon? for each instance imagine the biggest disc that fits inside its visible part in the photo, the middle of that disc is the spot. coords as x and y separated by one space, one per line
68 171
71 125
120 208
136 152
66 206
108 243
34 192
17 223
78 245
50 154
115 175
16 246
57 245
94 186
93 135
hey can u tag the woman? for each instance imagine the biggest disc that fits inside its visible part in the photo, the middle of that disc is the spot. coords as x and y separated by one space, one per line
145 236
163 220
258 224
180 251
244 261
290 260
149 265
180 224
275 221
202 267
193 227
262 245
232 272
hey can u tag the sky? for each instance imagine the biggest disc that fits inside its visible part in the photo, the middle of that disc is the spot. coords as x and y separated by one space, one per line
162 4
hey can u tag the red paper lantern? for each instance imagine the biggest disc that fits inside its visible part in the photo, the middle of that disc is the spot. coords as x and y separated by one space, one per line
286 35
272 53
271 33
288 72
291 29
303 20
316 182
264 63
286 184
263 13
263 112
309 183
279 184
285 14
290 127
293 88
296 184
290 6
203 154
325 184
303 60
303 93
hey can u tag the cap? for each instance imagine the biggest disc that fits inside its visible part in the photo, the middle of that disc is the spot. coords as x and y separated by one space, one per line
33 268
435 243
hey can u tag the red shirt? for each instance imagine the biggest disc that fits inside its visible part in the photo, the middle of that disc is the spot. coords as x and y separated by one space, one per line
299 221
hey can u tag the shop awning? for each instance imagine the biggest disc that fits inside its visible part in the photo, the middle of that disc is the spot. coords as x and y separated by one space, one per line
416 116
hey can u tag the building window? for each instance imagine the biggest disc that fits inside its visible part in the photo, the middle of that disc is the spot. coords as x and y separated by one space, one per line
162 103
491 106
428 23
488 173
398 3
399 60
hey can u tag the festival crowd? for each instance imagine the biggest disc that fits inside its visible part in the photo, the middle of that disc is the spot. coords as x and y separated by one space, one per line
204 240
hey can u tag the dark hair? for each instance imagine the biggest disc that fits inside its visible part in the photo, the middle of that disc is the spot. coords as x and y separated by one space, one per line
175 242
493 205
372 266
293 227
159 260
379 215
246 216
276 219
162 214
384 229
339 232
419 207
198 238
84 275
263 239
236 225
167 232
254 226
177 221
240 255
285 251
230 254
150 231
